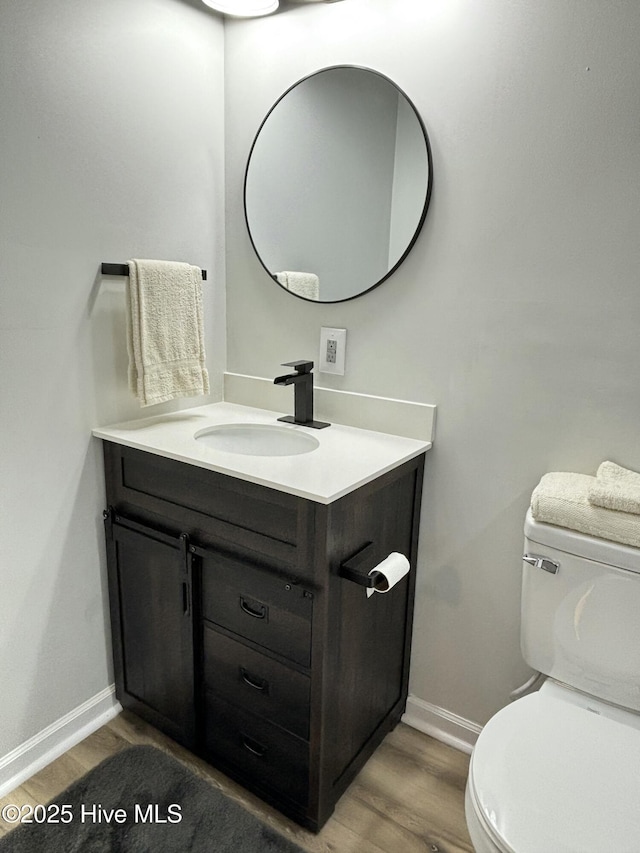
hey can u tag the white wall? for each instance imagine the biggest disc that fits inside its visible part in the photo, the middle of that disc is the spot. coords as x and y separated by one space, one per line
517 310
111 147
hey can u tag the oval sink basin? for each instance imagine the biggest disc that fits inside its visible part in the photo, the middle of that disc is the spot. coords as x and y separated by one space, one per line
257 439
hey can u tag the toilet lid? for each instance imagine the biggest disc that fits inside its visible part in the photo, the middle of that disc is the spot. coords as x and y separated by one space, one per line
548 776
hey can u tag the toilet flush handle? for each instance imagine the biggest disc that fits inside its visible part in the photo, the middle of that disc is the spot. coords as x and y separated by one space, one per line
542 563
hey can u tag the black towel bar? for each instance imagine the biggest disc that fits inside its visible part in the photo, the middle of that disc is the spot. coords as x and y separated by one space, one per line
123 269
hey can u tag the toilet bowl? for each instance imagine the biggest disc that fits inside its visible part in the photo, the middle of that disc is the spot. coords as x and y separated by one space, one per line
558 771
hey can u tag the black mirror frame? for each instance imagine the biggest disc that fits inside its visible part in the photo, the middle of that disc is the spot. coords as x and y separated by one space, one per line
424 208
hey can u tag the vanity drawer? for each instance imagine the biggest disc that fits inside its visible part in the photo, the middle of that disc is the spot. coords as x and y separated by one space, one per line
248 678
261 606
245 515
257 750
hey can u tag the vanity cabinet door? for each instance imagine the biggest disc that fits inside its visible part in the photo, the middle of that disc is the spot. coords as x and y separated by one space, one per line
151 618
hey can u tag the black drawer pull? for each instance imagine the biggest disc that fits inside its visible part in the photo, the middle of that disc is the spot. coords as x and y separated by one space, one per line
253 681
253 746
258 612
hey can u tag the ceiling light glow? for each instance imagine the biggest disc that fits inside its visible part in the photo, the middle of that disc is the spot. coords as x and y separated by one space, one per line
243 8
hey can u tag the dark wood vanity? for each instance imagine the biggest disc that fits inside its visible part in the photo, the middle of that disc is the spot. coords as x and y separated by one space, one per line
235 633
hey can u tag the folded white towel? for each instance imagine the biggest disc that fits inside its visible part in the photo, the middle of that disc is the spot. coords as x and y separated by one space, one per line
561 498
306 284
165 337
616 488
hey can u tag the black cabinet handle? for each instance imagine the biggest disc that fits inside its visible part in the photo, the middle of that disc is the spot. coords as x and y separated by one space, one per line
253 681
258 611
253 746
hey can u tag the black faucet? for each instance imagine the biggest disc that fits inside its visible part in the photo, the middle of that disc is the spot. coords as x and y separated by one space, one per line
302 380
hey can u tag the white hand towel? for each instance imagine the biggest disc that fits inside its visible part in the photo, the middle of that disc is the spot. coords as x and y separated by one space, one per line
165 338
306 284
562 498
616 488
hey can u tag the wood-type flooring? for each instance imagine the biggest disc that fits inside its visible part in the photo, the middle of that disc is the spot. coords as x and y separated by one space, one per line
408 798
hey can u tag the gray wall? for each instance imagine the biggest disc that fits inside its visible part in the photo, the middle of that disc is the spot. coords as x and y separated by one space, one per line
516 312
111 147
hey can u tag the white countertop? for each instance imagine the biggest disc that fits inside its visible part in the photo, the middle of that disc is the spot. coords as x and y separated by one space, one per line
345 459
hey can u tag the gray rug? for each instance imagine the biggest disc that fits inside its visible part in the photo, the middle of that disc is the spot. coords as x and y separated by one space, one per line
164 806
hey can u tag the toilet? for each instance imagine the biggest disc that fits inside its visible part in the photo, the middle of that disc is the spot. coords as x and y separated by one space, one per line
558 771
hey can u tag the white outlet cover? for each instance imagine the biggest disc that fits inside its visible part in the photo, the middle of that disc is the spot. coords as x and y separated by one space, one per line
340 338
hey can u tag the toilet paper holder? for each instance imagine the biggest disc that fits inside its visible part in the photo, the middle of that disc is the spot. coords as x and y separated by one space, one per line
357 567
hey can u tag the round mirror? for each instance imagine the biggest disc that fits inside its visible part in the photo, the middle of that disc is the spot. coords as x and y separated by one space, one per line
337 184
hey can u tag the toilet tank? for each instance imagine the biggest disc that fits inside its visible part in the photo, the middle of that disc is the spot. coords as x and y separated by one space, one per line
581 622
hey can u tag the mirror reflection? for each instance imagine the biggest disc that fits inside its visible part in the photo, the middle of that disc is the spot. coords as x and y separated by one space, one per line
337 184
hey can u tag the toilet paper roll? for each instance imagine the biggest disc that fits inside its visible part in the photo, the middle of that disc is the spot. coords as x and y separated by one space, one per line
393 569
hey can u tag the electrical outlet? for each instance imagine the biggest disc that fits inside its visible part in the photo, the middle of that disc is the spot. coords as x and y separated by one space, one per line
333 345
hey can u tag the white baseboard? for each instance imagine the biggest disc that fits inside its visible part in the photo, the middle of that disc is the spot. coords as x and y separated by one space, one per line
52 742
49 744
441 724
